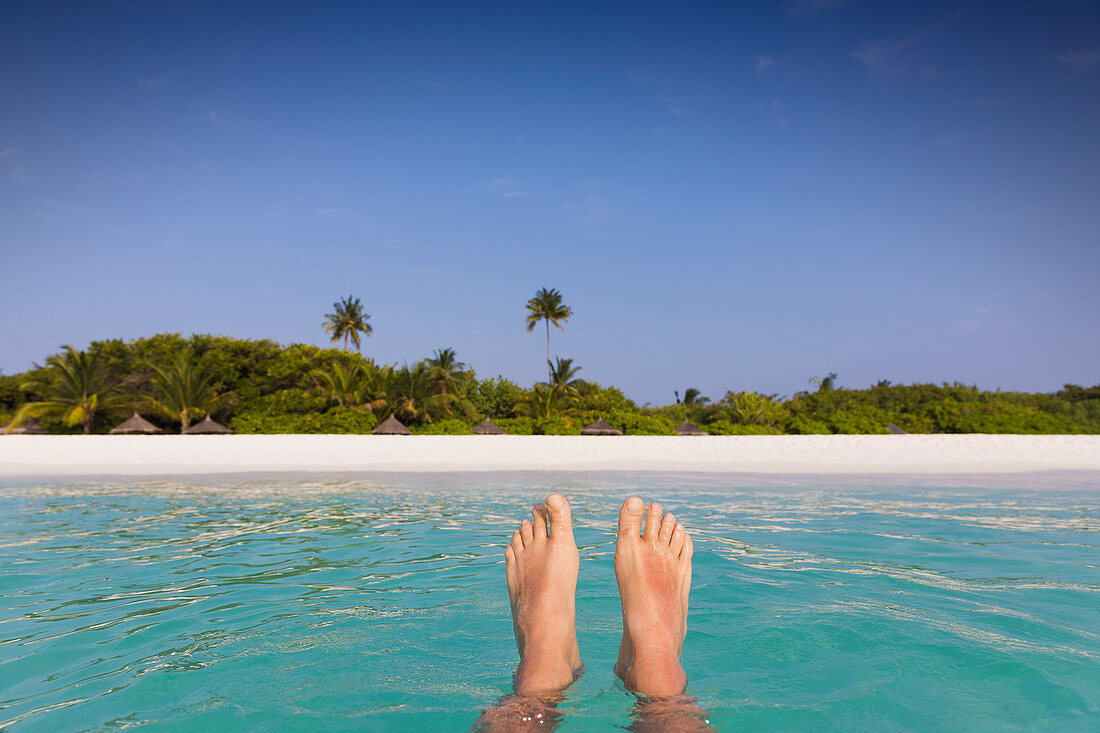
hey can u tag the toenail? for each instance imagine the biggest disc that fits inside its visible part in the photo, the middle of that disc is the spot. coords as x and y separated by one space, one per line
554 501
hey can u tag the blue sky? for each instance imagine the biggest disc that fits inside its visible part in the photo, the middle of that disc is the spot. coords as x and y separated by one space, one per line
729 196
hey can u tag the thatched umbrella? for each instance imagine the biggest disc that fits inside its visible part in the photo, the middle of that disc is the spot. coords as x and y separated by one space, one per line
391 426
489 428
600 428
208 427
136 425
895 429
686 428
29 426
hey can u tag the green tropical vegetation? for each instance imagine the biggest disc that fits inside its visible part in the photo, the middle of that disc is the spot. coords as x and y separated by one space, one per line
259 386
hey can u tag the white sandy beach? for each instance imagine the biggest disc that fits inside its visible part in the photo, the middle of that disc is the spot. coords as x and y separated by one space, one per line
33 456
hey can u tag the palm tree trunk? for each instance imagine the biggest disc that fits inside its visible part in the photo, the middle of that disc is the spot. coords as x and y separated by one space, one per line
345 340
87 423
185 421
549 373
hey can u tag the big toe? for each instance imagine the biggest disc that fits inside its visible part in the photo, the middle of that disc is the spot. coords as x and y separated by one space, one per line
561 516
630 517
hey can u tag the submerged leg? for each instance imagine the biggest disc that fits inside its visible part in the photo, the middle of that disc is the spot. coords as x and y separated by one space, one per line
541 564
653 569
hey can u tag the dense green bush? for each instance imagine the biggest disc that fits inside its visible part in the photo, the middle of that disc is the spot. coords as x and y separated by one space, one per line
725 427
335 420
443 427
516 425
495 398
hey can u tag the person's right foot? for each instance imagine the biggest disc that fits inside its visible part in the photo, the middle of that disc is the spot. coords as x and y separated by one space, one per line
654 574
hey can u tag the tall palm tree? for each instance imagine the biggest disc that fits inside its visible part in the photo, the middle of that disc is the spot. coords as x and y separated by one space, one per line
183 389
348 321
75 385
445 371
547 306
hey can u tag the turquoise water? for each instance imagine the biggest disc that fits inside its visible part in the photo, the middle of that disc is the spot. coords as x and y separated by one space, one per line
845 604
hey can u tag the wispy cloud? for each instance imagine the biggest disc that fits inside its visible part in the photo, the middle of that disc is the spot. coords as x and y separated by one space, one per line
591 211
506 188
101 179
774 109
886 56
1081 59
980 319
437 85
153 83
62 206
12 150
674 105
777 114
764 62
211 114
980 213
799 8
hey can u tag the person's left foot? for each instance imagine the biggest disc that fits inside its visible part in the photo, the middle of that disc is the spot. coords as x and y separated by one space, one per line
541 564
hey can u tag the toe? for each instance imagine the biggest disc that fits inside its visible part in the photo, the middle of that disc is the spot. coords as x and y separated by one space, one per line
561 516
630 517
509 556
517 542
538 513
668 524
527 531
689 548
653 522
677 543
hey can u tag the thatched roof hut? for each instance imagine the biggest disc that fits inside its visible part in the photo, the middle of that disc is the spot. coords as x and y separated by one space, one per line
600 427
29 426
896 430
391 426
136 425
686 428
489 428
208 427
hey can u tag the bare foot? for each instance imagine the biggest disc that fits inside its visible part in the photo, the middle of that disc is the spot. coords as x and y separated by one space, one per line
654 573
541 565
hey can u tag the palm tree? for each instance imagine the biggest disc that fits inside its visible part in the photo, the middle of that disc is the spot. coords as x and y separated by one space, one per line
182 389
411 395
348 321
445 371
547 306
825 384
692 397
76 385
563 380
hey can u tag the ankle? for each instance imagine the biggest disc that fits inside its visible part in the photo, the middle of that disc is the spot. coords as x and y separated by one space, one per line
652 678
536 674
